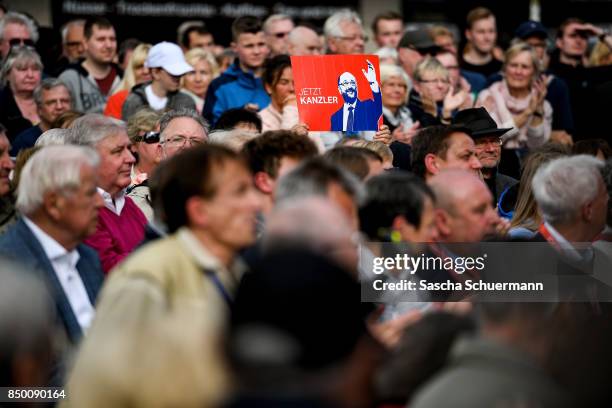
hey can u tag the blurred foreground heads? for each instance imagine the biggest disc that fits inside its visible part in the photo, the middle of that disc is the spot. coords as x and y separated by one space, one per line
26 312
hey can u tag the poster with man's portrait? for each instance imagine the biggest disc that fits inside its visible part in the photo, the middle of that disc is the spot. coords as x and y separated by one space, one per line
338 92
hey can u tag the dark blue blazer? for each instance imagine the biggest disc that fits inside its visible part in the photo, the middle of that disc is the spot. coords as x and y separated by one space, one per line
20 244
366 115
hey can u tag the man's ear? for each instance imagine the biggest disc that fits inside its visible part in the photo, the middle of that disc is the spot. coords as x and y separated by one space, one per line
331 44
53 204
233 46
264 182
587 211
196 210
431 163
442 222
468 34
406 230
558 42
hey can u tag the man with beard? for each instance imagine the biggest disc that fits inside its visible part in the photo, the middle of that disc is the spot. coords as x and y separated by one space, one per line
357 115
487 140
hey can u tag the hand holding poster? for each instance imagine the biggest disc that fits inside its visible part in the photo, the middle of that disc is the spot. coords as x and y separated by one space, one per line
338 92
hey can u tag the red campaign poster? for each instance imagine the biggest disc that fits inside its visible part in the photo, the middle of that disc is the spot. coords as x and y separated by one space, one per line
338 92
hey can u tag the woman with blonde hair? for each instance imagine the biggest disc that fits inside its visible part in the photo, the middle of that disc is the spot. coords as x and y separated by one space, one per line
526 218
601 55
20 75
136 73
518 101
205 69
433 100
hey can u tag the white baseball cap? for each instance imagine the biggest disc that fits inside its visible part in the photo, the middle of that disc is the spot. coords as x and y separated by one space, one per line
168 56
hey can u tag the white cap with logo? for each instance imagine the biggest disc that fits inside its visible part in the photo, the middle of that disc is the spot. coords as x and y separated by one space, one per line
168 56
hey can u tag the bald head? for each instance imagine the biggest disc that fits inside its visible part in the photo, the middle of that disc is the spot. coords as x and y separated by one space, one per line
304 41
465 205
314 222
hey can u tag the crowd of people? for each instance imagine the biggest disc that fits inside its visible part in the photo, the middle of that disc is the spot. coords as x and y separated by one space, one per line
171 234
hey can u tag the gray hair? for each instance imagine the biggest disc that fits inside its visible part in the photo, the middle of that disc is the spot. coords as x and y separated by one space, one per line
17 18
332 28
53 168
52 137
71 23
232 139
562 186
315 223
387 52
429 64
46 85
313 177
388 71
180 113
19 55
90 129
273 19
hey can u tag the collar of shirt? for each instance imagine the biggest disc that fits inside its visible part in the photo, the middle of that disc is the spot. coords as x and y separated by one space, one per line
207 261
53 249
568 249
115 205
347 105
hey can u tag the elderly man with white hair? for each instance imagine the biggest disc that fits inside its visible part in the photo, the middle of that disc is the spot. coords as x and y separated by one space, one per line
276 31
122 223
180 129
572 199
16 29
60 204
344 33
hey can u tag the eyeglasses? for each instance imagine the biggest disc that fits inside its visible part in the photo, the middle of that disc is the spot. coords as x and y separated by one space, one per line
281 34
435 81
180 141
149 138
364 38
346 84
14 42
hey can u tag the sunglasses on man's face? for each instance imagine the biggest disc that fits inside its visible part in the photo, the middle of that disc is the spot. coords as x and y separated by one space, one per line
148 138
15 42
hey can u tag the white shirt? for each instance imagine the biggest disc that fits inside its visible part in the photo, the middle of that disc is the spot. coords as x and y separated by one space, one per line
155 102
115 205
64 264
345 114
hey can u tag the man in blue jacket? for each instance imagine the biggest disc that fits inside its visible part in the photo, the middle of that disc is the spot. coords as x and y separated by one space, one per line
59 204
240 85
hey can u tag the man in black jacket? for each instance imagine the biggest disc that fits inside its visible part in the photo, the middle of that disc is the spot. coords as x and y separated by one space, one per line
488 142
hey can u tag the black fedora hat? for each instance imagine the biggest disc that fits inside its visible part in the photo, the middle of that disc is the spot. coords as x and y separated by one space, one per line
479 122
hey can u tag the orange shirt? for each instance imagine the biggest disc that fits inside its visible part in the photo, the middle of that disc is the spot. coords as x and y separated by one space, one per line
114 104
